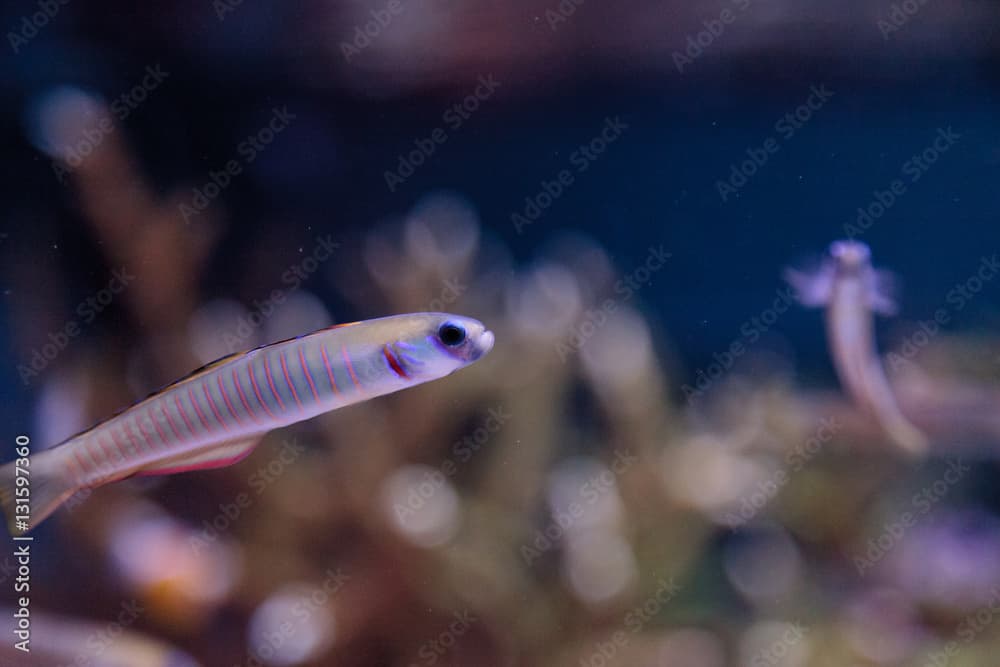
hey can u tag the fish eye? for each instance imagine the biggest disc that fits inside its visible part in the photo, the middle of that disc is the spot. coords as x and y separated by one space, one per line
451 334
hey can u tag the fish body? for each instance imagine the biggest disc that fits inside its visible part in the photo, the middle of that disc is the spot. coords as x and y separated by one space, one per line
852 292
216 415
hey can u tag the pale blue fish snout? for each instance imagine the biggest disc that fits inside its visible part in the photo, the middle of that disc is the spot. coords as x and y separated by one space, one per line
486 341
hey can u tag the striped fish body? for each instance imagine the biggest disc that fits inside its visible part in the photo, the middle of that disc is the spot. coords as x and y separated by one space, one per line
217 415
855 296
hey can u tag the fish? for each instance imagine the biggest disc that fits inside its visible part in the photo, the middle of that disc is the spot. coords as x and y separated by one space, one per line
852 291
216 415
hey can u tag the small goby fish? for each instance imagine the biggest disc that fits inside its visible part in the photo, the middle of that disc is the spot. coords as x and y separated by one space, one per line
216 415
852 291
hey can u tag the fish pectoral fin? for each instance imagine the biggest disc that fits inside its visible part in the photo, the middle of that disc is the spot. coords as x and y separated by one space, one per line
50 486
812 288
881 292
213 456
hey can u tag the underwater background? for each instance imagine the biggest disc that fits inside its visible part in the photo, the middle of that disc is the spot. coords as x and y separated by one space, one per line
656 465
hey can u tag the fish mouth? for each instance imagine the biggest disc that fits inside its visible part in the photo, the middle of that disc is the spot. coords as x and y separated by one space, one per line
485 343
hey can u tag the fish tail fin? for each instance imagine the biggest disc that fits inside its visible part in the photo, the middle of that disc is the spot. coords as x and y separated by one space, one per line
879 398
48 486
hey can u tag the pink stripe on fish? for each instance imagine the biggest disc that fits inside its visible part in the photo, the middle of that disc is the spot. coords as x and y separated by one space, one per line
75 468
104 450
80 463
288 379
146 436
180 411
166 415
270 383
256 391
119 457
197 409
305 370
350 366
225 397
156 425
135 439
329 370
85 445
109 448
211 404
122 450
243 398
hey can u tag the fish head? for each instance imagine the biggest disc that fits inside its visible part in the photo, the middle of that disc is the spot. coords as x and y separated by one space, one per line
850 256
438 343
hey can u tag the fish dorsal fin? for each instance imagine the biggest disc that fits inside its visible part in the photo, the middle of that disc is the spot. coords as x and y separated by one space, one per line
198 372
341 325
215 456
285 340
212 365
